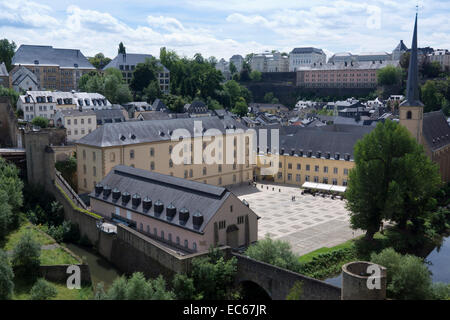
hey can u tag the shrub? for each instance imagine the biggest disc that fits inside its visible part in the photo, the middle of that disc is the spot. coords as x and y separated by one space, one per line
40 122
25 258
6 277
408 278
275 252
42 290
296 291
441 291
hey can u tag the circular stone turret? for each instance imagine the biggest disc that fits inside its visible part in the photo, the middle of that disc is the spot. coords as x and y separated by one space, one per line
362 280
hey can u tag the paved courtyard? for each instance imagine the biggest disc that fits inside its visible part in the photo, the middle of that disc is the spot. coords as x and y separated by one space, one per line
308 223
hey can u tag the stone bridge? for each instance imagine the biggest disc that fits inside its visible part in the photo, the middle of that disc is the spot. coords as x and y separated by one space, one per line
277 282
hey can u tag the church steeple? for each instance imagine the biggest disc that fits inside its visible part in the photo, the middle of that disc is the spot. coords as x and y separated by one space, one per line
412 86
411 109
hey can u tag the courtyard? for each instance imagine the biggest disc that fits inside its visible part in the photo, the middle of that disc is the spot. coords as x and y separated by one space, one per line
308 223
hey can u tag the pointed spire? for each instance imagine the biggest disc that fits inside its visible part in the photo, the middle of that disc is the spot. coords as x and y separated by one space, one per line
412 87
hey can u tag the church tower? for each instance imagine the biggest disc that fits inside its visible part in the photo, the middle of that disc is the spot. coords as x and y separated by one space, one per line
411 110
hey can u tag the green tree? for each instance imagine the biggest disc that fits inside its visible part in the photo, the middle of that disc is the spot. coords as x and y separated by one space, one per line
152 91
118 289
6 277
68 168
12 185
408 277
137 287
184 288
12 94
389 76
275 252
144 74
392 175
43 290
40 122
233 68
213 276
25 258
268 97
158 289
255 75
5 214
121 49
99 292
7 50
240 108
99 61
431 97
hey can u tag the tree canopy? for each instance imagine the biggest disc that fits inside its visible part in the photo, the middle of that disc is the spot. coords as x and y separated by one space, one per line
7 50
392 179
121 49
99 61
389 76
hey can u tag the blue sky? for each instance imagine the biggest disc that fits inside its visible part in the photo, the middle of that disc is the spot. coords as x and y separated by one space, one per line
223 28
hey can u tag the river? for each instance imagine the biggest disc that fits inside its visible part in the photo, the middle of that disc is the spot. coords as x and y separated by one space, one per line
438 263
101 269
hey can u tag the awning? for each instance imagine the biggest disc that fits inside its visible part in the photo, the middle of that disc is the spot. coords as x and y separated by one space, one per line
324 187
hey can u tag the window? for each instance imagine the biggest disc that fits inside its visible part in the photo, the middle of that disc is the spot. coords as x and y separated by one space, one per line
191 173
325 169
231 208
170 163
307 167
344 182
170 149
280 175
335 170
186 243
325 180
141 227
68 122
240 220
95 171
162 234
117 211
82 121
299 166
297 178
152 165
289 165
89 120
409 115
84 168
170 237
148 229
220 168
185 174
346 172
334 181
316 168
152 152
129 217
131 154
289 176
155 231
204 171
279 165
316 179
194 246
178 240
222 224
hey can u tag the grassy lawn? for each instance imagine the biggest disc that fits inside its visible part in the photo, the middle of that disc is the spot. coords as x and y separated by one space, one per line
22 290
327 262
13 238
57 256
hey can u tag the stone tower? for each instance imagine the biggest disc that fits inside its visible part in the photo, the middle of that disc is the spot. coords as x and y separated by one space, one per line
411 110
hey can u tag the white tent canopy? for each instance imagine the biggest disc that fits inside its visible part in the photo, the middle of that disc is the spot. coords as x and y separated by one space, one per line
323 187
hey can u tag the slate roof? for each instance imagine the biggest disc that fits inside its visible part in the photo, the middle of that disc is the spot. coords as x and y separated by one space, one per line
130 59
158 105
3 70
436 130
356 65
118 134
196 107
109 115
195 196
307 50
76 113
154 115
47 55
334 139
21 73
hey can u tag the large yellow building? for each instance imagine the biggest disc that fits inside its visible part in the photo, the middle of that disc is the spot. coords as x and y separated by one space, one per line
148 145
321 155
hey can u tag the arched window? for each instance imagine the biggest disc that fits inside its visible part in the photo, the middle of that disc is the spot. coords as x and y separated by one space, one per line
409 115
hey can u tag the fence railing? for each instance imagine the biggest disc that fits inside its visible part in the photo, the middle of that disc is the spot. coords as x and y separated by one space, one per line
70 192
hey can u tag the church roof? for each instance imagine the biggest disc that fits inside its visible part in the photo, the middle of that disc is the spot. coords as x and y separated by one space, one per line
436 130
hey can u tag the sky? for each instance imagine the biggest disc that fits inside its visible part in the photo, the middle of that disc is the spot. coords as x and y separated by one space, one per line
223 28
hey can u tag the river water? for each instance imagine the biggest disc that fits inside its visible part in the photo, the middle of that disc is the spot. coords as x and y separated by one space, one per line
438 263
101 269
